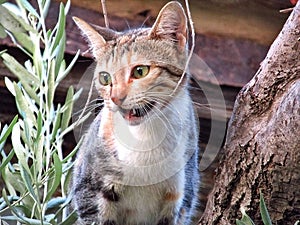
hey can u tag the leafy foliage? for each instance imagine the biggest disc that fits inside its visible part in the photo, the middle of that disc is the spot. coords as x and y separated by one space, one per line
36 186
246 220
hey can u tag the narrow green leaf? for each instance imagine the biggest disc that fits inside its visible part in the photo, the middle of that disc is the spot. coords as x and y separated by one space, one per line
6 175
76 123
28 183
50 218
10 86
39 143
49 34
3 34
37 57
24 40
25 220
18 147
3 203
55 202
60 53
24 209
60 27
68 109
46 6
26 134
77 94
17 216
247 220
16 68
6 131
57 176
263 211
56 123
13 181
62 67
28 89
51 85
7 160
67 7
9 22
31 93
61 76
39 124
71 219
24 25
23 106
7 201
68 176
29 8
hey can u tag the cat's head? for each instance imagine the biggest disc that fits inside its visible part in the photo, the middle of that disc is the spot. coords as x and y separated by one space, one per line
138 70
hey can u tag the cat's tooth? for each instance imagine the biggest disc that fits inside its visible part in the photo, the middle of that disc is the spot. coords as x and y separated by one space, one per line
134 111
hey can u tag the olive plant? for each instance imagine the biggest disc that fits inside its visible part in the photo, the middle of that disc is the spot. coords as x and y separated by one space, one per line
35 183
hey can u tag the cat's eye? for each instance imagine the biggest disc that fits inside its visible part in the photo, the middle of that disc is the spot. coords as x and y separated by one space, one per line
104 78
140 71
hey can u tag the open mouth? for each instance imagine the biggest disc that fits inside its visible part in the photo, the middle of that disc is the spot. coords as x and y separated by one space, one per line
137 113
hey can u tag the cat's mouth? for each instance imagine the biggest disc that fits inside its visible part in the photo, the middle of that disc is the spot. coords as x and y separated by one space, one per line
135 114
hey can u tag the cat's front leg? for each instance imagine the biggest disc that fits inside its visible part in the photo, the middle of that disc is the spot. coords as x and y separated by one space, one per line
170 211
95 201
100 209
110 196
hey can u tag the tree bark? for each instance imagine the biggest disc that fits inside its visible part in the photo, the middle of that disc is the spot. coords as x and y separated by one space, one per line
262 149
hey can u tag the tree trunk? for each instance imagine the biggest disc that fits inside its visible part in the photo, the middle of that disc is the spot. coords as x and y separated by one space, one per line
262 149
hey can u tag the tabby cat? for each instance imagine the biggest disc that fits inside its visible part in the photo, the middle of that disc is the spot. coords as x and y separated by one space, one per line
138 162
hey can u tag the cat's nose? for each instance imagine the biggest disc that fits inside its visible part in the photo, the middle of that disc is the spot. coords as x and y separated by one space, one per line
118 101
118 94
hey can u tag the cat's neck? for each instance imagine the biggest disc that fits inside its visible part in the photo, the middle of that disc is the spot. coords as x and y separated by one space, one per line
153 131
158 144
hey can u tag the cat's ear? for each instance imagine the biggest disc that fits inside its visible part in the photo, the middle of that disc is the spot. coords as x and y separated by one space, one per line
95 39
171 24
106 33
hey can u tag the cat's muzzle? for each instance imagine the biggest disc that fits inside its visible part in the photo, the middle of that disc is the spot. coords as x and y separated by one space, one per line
135 115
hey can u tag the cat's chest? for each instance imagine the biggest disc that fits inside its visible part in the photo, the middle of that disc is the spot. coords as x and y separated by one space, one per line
141 204
141 145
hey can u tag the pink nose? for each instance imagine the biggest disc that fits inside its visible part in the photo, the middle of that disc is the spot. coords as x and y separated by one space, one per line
118 93
118 101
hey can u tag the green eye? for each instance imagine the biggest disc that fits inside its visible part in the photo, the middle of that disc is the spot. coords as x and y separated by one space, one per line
104 78
140 71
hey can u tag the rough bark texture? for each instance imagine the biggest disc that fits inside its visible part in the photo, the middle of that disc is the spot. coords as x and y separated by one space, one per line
262 149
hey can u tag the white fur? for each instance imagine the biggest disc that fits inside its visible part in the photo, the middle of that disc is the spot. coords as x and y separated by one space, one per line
151 165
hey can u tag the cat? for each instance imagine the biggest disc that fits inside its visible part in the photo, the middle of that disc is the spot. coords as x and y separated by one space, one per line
138 163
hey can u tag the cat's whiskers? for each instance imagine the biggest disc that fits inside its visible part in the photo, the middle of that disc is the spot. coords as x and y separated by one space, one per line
144 22
158 112
90 107
147 120
198 104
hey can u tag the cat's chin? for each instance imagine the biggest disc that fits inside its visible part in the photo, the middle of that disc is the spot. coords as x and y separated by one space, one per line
136 116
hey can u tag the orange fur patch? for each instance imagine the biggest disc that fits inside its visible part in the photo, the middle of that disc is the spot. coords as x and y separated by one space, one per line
130 212
171 197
